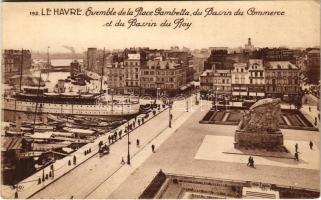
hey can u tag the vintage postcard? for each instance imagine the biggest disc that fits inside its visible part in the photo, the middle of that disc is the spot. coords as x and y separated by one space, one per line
160 100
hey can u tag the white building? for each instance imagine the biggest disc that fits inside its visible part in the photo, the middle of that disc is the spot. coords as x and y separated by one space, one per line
240 80
257 80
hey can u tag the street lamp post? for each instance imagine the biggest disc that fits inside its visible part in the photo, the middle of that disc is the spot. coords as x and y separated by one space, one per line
157 94
112 99
186 104
128 153
169 116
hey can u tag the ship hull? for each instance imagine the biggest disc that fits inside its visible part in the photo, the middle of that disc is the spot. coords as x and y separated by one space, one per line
11 104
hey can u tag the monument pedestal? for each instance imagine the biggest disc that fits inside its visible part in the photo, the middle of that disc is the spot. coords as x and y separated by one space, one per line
254 140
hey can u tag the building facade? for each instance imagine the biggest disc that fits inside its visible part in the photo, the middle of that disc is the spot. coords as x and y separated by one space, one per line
132 73
240 80
14 61
223 83
256 85
162 77
115 77
313 66
282 80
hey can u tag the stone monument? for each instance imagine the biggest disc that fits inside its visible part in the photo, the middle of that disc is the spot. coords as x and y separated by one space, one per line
259 127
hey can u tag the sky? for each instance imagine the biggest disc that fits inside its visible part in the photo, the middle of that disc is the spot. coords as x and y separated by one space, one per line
299 27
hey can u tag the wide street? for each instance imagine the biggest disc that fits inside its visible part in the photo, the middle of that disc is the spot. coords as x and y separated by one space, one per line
86 178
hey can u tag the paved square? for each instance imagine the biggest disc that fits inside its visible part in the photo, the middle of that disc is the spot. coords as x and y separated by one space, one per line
212 148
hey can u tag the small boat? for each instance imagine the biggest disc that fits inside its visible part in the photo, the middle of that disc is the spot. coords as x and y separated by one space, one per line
14 133
44 128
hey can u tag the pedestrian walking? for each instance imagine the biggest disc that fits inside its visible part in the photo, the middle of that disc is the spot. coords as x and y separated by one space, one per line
252 162
119 134
137 142
109 139
249 161
296 147
296 156
153 148
74 160
311 145
122 161
309 109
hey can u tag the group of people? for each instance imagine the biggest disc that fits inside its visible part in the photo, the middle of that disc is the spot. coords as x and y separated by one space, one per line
296 146
112 138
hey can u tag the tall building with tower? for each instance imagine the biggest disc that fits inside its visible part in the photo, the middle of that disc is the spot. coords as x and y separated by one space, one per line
249 46
91 61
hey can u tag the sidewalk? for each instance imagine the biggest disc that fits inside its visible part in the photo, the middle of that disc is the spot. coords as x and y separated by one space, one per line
30 186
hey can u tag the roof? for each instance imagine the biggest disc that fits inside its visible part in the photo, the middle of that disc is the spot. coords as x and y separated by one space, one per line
10 143
223 71
163 64
281 65
135 56
206 72
314 51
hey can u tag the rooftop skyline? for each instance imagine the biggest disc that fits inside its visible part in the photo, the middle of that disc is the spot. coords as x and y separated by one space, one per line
297 28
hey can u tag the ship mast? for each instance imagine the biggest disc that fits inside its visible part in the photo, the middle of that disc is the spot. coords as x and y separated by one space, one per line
102 73
34 120
48 62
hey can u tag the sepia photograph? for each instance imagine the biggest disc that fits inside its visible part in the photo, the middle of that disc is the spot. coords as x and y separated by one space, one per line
160 100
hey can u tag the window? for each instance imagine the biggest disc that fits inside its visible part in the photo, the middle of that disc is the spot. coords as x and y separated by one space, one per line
236 80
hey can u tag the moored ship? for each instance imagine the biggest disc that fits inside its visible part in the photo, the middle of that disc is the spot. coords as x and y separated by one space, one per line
39 100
